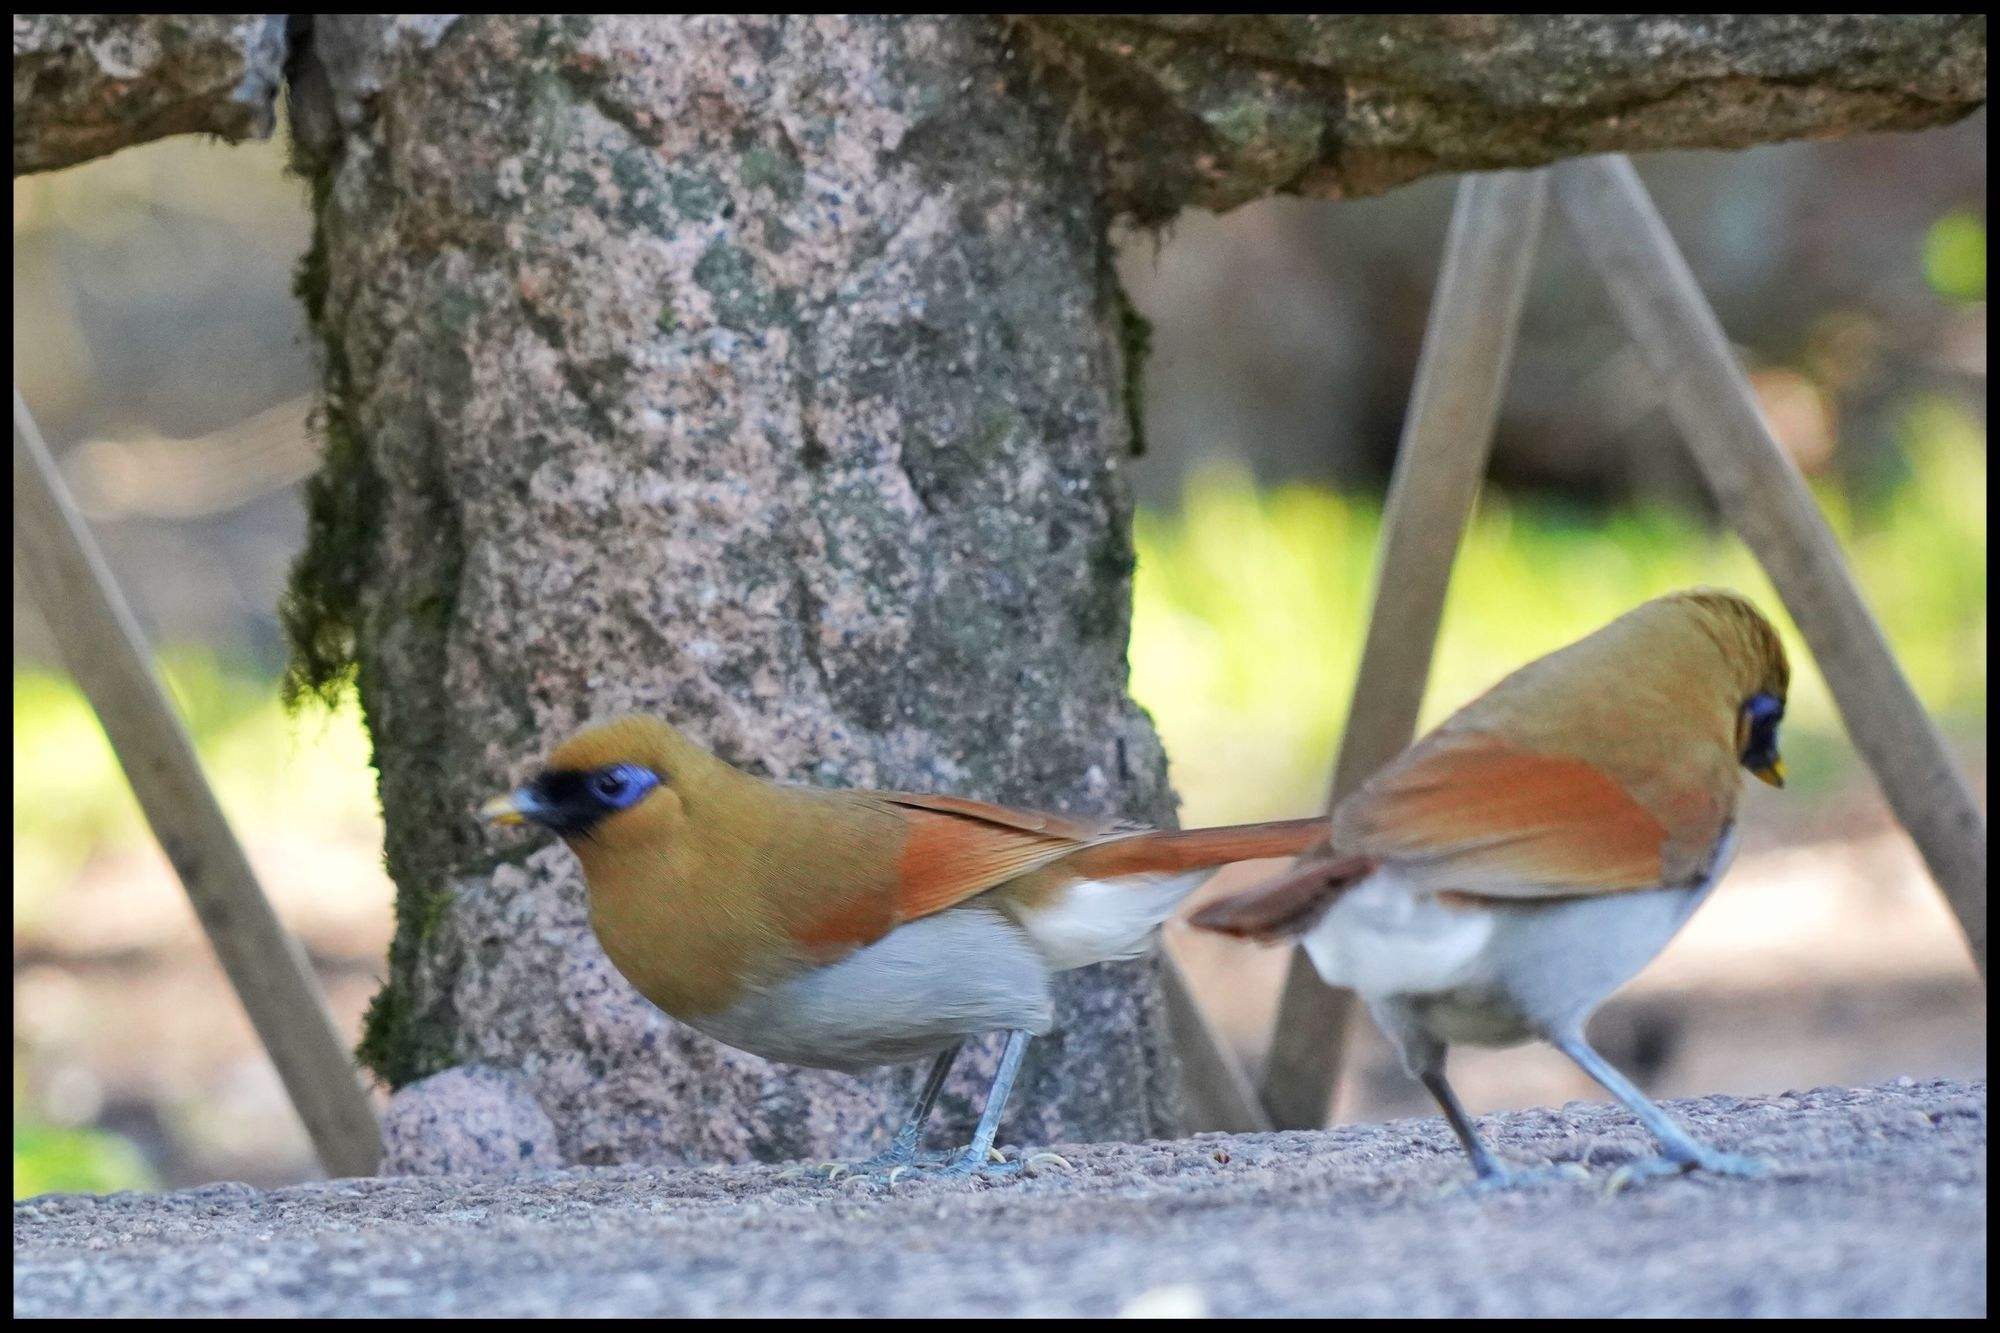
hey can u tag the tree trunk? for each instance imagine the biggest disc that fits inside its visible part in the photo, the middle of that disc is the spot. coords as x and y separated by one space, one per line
761 373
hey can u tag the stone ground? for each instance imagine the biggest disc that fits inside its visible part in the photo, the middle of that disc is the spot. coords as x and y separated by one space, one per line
1877 1206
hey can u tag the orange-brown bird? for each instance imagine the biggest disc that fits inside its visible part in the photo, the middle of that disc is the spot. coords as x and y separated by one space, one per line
1518 864
848 929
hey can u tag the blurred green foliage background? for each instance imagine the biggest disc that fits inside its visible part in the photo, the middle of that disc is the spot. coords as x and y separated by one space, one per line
1246 675
1251 604
151 299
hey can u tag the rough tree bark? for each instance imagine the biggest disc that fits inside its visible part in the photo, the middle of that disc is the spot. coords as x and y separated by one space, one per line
761 373
89 84
769 373
1213 111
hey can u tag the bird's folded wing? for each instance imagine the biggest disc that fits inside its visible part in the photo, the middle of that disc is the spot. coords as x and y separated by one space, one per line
957 848
1470 813
1000 816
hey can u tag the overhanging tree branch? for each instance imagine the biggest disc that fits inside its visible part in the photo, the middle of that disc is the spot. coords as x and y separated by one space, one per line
1212 111
90 84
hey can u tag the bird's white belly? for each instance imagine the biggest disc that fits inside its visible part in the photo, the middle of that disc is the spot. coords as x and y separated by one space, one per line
1099 921
1499 973
1383 937
910 994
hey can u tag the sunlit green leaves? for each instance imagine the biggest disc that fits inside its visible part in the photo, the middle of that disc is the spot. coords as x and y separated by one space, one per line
1250 608
1955 256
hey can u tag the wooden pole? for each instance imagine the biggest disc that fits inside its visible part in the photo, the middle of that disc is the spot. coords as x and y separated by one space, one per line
1767 502
1219 1096
103 648
1468 346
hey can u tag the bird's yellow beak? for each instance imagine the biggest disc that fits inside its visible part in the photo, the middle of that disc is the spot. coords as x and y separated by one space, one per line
503 810
1773 773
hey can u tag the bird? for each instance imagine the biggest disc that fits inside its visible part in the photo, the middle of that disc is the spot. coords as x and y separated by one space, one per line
847 929
1517 864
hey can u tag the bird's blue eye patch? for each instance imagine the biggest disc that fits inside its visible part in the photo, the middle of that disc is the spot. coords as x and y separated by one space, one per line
1761 715
573 801
621 785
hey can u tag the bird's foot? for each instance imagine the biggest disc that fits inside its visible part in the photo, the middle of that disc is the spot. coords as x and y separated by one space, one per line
1498 1179
887 1166
898 1163
1711 1162
995 1166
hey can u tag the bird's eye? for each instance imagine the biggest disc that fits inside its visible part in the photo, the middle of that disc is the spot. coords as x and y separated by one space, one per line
621 785
1757 737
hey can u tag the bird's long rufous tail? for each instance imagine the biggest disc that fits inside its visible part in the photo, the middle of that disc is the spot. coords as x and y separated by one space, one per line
1174 850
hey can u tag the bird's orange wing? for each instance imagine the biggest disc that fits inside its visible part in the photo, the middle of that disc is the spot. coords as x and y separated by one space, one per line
1470 813
957 848
1001 816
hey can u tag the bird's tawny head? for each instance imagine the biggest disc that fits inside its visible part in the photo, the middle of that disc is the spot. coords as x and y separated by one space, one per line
628 778
1751 647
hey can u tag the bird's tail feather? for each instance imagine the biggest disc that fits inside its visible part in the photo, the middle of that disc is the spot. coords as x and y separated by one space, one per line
1174 851
1288 906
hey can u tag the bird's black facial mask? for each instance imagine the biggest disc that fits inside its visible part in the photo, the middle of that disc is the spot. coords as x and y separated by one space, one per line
1757 734
572 802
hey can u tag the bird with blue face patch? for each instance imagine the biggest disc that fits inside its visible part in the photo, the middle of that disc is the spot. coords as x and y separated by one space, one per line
847 929
1516 865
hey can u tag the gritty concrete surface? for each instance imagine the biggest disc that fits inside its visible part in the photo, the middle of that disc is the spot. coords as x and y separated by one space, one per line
1877 1206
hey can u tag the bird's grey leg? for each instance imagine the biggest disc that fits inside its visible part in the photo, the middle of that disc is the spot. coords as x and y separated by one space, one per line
902 1150
1680 1152
973 1160
1484 1164
1489 1172
1423 1056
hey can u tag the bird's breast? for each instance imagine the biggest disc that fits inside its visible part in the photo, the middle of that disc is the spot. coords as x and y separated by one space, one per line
1561 958
685 959
918 989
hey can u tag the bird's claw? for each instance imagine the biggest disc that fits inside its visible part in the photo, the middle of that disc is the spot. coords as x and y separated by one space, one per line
998 1166
825 1172
1497 1181
889 1167
883 1168
994 1166
1711 1163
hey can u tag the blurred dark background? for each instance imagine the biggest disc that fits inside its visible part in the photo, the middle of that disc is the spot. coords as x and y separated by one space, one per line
158 343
